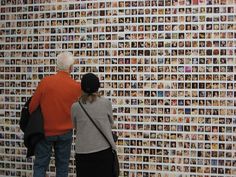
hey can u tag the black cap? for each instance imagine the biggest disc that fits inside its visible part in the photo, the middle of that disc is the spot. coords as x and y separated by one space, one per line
90 83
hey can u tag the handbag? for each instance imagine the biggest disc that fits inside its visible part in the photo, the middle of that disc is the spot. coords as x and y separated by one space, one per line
115 165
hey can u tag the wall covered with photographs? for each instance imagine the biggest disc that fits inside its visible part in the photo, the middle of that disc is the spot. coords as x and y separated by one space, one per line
168 67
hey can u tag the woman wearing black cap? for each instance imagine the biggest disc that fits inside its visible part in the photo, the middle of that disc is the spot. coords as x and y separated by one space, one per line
93 152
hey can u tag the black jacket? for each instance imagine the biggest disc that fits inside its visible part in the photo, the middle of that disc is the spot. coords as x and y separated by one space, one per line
25 115
33 131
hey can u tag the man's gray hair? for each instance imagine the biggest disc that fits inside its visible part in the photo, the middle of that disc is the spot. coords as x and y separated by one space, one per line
64 60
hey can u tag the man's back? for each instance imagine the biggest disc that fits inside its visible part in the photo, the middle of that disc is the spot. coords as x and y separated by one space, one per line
56 94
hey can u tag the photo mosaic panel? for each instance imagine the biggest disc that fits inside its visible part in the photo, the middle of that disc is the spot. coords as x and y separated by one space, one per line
168 66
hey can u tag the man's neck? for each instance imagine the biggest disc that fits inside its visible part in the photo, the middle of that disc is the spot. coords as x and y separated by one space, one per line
64 71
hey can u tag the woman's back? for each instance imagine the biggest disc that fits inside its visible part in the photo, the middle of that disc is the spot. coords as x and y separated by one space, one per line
88 138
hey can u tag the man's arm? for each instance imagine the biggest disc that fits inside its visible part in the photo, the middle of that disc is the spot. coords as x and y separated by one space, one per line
35 101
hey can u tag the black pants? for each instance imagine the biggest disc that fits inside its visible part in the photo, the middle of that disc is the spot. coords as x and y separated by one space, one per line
98 164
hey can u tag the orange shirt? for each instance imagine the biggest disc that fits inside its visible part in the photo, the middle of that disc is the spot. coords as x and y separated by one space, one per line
55 94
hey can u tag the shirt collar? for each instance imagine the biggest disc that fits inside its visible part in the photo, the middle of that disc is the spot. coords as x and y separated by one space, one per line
63 73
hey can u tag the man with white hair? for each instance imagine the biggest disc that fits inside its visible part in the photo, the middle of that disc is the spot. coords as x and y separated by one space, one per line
55 95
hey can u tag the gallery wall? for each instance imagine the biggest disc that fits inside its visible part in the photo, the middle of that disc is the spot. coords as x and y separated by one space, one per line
168 66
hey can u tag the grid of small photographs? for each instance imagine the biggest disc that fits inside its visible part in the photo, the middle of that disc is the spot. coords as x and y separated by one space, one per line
168 67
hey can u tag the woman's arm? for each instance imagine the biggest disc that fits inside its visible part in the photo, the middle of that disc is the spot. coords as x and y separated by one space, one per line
74 110
110 114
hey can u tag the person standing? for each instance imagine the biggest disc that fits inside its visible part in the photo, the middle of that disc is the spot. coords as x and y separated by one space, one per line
93 152
55 94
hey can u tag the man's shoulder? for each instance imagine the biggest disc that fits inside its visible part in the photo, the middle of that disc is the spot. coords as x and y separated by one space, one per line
75 83
58 77
67 81
49 77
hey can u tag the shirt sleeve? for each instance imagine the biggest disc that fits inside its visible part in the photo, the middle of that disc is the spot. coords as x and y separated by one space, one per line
110 113
35 101
73 114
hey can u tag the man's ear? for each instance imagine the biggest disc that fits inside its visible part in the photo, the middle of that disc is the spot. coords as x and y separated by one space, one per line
71 68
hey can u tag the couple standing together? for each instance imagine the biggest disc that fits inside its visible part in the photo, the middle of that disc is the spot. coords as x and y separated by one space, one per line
62 101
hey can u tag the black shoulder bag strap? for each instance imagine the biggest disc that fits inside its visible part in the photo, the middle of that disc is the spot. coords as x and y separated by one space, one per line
94 123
